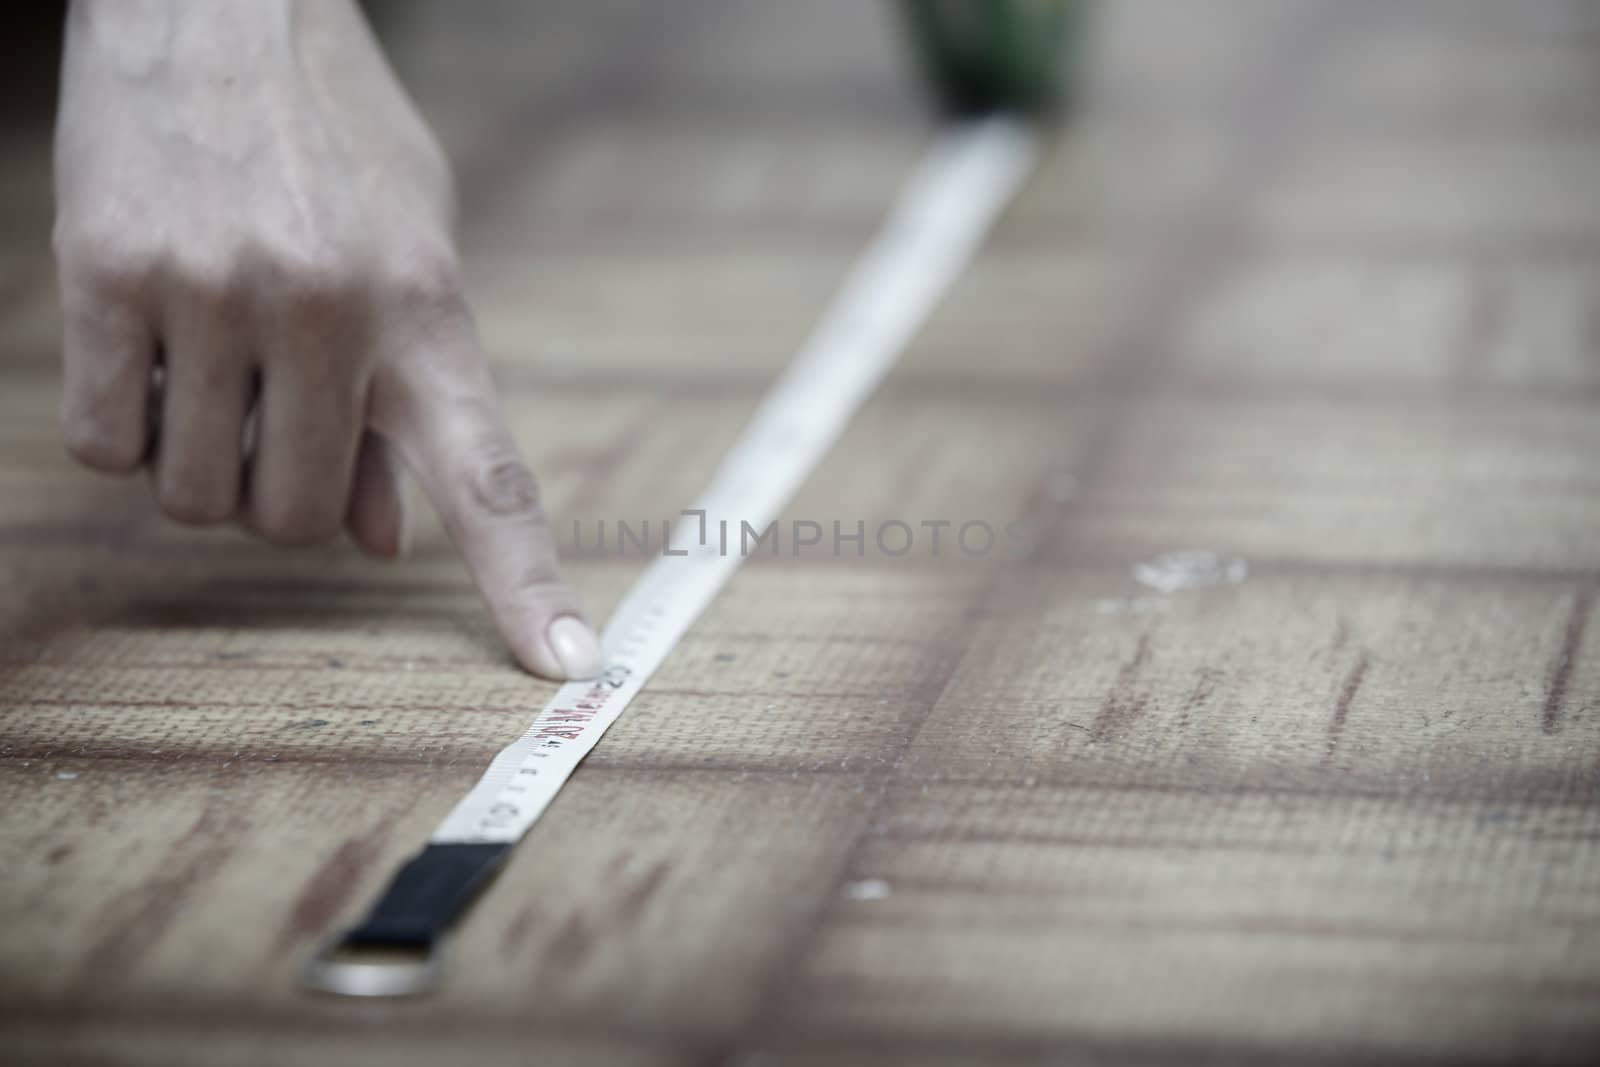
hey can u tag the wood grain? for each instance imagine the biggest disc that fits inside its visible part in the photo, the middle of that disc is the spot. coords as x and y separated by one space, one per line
1308 284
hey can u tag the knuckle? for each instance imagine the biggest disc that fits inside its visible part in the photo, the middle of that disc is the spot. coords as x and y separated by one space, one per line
501 484
80 257
93 270
193 502
75 241
316 289
427 279
315 278
99 446
203 276
540 581
296 523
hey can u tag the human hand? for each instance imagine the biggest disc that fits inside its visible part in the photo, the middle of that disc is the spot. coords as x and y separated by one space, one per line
251 213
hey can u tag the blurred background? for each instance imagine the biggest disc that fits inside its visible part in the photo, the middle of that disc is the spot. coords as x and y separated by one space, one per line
1310 284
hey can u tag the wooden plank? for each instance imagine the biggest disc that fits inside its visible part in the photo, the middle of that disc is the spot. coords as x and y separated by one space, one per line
1308 284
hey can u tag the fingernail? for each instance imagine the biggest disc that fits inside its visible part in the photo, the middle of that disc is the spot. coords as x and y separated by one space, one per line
576 648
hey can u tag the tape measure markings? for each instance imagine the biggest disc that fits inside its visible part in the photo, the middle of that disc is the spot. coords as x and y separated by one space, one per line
961 185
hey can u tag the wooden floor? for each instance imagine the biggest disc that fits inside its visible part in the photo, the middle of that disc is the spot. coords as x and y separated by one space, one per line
1315 286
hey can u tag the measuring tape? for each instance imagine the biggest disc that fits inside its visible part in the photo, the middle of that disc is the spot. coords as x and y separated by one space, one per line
941 216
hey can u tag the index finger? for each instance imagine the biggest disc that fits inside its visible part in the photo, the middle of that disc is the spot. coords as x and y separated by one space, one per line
443 417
